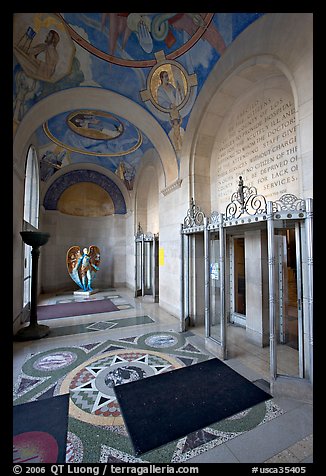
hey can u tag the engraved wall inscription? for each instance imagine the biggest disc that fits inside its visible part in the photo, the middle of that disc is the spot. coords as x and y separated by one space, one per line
259 142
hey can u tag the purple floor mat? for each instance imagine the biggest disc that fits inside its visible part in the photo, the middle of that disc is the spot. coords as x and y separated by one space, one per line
53 311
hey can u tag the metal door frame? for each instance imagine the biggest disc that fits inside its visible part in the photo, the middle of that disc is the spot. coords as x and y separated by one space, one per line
194 222
233 314
215 224
249 208
153 239
289 207
155 268
139 257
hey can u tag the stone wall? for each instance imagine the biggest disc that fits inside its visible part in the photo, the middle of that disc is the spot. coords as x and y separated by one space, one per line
258 141
108 233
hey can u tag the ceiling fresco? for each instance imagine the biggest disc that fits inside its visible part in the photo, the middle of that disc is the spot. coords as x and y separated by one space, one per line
158 60
91 136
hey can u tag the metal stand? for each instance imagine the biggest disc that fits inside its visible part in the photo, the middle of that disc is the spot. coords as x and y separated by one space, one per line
33 330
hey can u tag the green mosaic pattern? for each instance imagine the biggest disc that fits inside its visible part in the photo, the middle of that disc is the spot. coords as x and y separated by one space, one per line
43 375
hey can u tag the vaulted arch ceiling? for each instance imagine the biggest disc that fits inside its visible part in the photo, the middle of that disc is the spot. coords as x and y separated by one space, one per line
56 109
136 74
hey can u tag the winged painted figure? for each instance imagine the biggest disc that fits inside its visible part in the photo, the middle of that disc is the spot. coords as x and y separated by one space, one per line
83 265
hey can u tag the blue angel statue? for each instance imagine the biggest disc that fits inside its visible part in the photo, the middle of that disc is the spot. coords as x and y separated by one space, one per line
83 265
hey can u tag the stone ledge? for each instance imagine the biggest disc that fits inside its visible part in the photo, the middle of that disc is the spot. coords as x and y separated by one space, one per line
171 188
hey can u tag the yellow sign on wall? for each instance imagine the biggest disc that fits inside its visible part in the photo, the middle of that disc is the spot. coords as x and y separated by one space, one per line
161 257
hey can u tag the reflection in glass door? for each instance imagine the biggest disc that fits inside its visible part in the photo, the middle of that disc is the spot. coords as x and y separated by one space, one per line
193 281
196 291
138 268
146 265
148 279
288 306
215 287
238 281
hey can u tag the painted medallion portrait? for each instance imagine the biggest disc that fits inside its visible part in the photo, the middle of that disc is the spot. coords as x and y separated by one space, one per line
168 86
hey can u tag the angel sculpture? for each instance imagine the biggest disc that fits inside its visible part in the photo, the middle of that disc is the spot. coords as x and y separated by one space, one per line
82 266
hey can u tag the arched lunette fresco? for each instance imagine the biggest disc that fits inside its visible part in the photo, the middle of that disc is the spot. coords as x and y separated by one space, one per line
76 176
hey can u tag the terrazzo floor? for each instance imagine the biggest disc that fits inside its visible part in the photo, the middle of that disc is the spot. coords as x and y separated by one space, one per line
138 341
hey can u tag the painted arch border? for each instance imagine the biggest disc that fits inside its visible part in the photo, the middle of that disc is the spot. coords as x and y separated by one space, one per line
86 97
72 177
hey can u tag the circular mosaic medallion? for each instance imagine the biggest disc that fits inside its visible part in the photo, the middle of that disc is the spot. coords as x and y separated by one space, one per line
122 375
91 385
162 340
55 361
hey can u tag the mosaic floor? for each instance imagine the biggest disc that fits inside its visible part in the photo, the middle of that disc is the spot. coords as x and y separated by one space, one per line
88 372
101 325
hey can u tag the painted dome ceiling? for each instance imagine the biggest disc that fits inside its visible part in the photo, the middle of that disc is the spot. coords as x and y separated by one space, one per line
159 61
91 136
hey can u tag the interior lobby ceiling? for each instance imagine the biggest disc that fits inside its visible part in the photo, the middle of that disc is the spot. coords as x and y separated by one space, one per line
128 54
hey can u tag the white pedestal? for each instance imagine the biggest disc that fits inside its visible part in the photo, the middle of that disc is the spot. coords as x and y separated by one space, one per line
85 293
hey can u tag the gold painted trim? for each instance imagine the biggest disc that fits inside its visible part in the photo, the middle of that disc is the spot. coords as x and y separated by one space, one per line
95 154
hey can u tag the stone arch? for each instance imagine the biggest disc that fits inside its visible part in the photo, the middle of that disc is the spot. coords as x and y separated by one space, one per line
97 98
102 171
59 185
250 58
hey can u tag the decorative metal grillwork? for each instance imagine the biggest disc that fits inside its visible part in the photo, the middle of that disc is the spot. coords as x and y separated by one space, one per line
142 236
289 202
214 219
194 217
245 200
140 231
148 236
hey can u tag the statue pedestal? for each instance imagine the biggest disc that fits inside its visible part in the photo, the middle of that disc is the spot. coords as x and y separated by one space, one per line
85 293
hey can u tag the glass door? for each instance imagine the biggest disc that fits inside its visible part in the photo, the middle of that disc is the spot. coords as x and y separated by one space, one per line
156 268
148 267
288 303
193 281
237 281
215 300
138 267
214 287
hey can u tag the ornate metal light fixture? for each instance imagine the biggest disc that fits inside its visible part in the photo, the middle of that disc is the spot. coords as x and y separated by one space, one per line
195 216
289 202
245 200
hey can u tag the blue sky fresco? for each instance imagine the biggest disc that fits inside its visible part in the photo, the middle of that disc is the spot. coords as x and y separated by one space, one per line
119 52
